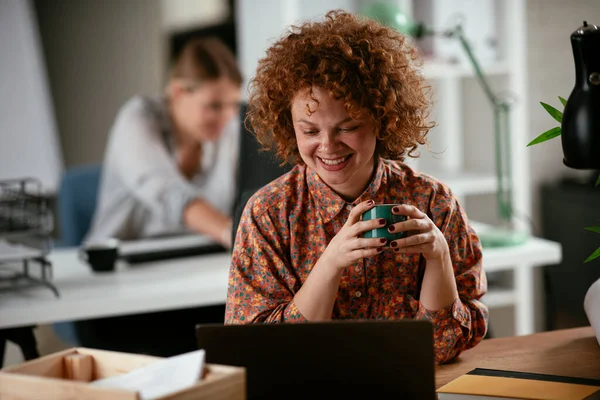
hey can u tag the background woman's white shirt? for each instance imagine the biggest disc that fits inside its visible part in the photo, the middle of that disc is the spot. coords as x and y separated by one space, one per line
142 192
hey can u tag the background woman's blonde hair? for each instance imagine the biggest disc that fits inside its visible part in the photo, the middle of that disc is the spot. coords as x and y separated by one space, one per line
205 59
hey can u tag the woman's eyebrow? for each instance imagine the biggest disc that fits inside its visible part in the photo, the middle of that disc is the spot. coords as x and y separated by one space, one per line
304 121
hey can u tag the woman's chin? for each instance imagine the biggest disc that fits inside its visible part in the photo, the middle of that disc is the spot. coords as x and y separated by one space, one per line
209 136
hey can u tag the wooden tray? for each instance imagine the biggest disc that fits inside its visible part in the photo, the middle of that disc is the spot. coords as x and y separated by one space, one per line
66 375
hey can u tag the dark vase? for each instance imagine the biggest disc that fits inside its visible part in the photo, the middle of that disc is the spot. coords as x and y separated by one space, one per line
581 118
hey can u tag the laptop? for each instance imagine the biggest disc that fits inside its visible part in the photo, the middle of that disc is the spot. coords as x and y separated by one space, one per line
163 248
335 359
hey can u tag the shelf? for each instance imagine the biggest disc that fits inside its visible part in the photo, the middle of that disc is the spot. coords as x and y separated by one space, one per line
466 182
535 251
499 298
435 69
17 252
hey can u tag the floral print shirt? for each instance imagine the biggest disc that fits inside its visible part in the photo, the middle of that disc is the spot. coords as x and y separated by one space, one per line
287 225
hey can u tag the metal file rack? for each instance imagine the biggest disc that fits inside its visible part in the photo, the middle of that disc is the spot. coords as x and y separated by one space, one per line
26 224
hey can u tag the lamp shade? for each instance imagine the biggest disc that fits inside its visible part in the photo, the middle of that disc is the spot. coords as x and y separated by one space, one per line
581 118
391 15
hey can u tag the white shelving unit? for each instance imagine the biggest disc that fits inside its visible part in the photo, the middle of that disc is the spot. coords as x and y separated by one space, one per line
464 167
462 142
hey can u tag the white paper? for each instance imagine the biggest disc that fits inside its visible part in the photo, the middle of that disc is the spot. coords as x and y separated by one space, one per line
591 304
160 378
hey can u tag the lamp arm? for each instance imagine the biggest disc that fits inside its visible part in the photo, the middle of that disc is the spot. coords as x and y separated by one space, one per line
501 110
458 33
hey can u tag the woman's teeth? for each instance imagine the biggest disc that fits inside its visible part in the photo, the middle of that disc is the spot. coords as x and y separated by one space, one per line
334 161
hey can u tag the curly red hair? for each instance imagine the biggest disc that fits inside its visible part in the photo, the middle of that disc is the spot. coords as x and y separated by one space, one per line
370 66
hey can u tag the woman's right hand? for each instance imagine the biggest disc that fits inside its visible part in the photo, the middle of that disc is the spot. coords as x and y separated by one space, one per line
347 247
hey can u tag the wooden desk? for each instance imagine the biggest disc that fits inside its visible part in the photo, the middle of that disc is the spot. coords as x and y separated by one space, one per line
569 352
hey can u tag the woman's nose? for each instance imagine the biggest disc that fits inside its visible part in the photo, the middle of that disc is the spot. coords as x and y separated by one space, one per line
328 141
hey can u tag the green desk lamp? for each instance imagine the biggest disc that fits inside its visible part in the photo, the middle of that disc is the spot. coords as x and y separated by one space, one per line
498 236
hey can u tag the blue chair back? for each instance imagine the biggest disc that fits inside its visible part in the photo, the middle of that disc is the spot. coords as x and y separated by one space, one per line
76 206
77 203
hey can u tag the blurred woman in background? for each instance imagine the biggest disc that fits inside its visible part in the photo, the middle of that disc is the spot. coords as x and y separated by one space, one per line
170 161
170 169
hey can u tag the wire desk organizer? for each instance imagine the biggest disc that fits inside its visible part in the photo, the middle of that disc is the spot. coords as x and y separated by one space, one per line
25 226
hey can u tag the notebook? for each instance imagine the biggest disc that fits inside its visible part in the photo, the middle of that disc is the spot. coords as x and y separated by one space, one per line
487 384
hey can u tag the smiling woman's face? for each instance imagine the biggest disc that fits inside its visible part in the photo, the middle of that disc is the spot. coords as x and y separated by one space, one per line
341 150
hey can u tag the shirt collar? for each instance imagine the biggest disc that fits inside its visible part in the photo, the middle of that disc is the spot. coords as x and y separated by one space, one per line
329 203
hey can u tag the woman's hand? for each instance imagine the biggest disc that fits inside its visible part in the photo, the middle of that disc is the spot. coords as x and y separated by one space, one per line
347 247
226 233
426 238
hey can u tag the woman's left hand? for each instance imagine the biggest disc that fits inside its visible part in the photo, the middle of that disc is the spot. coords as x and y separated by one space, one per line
423 235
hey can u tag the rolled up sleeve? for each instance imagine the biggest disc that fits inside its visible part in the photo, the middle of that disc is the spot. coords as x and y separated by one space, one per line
261 283
463 324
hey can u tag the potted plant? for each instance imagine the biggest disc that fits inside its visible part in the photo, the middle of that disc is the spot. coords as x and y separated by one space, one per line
591 303
551 134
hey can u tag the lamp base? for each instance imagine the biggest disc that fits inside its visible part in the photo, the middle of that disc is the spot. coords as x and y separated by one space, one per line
502 237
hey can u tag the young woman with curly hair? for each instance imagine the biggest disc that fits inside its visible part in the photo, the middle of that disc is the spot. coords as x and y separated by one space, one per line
344 101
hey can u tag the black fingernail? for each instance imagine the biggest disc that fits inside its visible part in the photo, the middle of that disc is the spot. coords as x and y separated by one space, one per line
379 249
394 244
383 240
370 202
395 209
392 228
381 221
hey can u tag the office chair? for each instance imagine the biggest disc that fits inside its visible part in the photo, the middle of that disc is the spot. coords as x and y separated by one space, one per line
76 205
256 168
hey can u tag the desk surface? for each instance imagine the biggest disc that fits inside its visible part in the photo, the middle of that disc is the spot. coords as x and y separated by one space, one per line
570 352
169 284
144 287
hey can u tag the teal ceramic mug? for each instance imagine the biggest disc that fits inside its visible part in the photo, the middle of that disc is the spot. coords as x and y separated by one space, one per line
384 211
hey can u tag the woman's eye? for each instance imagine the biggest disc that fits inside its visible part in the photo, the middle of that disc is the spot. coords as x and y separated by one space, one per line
310 132
349 129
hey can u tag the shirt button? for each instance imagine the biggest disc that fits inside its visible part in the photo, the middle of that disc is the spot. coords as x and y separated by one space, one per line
349 207
358 293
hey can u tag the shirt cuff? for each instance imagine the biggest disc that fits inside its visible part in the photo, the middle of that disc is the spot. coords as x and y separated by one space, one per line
178 200
456 311
292 314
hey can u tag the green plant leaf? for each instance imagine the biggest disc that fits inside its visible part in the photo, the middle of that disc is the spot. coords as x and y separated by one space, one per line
557 115
552 133
594 255
598 181
563 101
593 228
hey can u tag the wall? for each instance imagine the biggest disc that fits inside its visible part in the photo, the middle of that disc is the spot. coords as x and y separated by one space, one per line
99 53
260 23
28 137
